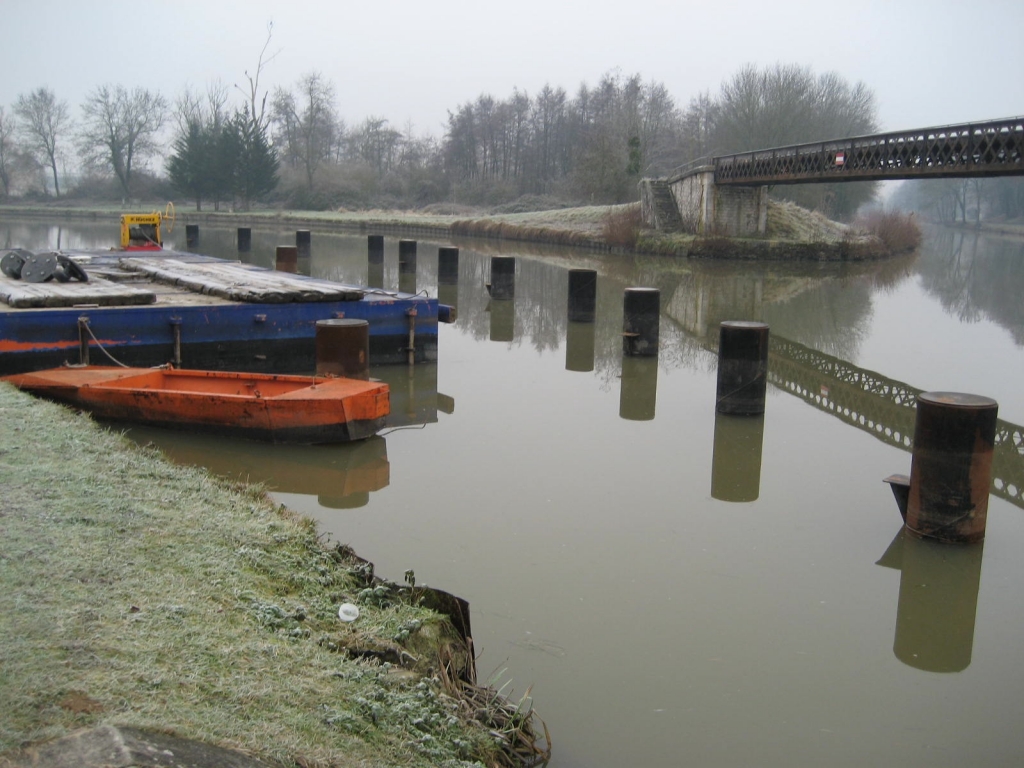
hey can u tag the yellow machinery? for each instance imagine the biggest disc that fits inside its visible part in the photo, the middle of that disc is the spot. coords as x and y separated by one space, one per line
141 231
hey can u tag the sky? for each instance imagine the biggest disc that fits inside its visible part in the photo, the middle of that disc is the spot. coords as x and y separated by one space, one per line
928 63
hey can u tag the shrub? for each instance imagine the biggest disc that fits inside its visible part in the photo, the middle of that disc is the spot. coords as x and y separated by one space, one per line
899 232
621 226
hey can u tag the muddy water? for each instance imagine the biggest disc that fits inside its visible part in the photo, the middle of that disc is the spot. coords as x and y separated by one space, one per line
680 588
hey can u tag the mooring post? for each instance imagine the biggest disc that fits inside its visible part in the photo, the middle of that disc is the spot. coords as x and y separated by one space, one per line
303 241
191 236
742 367
244 239
641 318
176 332
83 340
343 348
375 249
447 265
406 256
287 258
411 349
503 277
582 295
951 468
736 457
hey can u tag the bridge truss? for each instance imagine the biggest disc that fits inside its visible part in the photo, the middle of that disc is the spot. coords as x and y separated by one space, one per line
991 148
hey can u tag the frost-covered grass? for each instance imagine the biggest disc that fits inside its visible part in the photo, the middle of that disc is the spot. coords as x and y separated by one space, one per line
135 592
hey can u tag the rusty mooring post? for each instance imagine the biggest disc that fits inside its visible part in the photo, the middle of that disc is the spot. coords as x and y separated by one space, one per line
287 258
503 278
447 265
742 367
641 318
582 295
304 242
375 248
343 348
951 468
191 236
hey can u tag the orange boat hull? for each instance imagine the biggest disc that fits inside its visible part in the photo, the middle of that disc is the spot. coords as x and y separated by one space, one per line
278 408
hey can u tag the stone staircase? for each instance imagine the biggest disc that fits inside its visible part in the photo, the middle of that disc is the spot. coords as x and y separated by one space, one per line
659 206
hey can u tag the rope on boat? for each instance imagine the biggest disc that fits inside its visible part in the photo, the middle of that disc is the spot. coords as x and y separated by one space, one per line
102 348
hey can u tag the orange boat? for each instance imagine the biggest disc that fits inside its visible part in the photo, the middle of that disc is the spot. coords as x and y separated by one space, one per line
278 408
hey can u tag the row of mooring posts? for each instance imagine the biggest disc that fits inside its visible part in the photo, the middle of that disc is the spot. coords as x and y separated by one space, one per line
944 498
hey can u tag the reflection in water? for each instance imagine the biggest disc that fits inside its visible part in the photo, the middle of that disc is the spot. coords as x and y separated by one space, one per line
938 601
341 476
414 396
639 390
448 294
503 319
375 275
579 347
736 460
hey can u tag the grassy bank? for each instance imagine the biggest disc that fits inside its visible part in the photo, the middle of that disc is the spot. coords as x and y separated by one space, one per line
793 233
135 592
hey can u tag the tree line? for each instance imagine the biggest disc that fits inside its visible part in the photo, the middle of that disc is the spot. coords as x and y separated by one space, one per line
290 147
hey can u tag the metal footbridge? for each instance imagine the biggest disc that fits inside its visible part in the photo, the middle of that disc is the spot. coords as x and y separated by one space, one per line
989 148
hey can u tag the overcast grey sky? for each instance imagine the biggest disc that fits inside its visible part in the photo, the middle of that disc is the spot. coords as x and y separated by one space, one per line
929 63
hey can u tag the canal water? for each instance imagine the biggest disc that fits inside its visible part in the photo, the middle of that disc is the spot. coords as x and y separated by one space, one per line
680 588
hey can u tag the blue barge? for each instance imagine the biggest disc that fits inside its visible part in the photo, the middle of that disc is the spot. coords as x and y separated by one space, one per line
198 312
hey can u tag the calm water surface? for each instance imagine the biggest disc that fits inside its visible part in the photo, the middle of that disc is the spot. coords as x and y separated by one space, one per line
679 589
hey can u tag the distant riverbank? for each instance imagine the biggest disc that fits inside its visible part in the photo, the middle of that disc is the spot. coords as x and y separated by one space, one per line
137 593
794 234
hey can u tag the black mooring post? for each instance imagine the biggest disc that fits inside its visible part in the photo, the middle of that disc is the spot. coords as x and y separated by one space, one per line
375 248
244 239
447 265
406 256
304 242
641 317
191 236
742 367
582 295
503 277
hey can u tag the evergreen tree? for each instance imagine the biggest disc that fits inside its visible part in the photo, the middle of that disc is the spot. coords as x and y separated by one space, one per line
255 162
189 167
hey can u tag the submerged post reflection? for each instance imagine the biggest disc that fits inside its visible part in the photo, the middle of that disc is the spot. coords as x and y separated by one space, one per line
736 457
938 601
638 394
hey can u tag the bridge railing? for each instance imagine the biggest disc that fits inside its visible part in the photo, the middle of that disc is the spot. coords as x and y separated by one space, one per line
995 147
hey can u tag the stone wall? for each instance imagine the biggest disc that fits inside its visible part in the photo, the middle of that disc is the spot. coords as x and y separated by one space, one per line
714 210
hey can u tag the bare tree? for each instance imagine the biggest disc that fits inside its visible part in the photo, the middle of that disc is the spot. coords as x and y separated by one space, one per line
258 115
6 150
120 129
306 123
44 123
